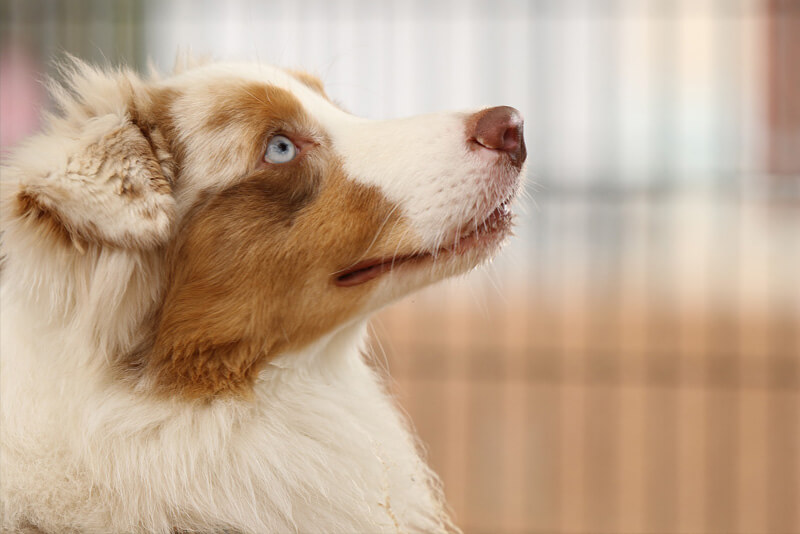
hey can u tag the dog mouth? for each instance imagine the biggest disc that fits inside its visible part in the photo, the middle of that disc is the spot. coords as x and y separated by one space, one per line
471 237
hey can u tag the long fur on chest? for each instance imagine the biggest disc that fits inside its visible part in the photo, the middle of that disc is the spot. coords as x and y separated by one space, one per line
319 448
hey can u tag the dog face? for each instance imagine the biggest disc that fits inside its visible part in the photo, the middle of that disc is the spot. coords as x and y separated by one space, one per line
274 216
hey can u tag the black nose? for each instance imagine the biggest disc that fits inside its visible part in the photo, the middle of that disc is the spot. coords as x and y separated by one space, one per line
499 129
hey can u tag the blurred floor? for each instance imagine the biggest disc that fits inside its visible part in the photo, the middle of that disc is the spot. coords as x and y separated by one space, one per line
665 399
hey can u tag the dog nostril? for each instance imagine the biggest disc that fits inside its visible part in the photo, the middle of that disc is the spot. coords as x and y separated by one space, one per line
500 129
509 140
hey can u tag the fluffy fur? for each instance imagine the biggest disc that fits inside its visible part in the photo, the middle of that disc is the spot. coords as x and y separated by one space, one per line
176 353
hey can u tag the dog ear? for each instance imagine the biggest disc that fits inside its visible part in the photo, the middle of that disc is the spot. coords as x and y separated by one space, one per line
95 176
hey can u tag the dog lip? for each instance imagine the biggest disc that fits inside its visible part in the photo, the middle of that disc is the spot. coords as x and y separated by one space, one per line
497 221
366 270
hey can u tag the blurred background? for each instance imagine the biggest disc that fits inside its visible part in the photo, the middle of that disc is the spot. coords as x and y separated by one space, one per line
631 363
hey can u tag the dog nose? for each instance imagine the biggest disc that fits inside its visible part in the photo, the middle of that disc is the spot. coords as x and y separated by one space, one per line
500 129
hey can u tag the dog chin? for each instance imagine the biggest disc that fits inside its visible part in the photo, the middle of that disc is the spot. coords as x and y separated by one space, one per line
418 271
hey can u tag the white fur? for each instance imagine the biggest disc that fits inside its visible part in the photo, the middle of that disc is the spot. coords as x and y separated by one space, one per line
320 448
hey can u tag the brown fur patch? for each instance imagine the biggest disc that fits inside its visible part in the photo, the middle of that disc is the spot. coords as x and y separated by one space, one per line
309 80
153 116
264 107
251 276
246 114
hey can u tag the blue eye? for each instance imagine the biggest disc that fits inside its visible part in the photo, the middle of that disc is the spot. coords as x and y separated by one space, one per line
280 149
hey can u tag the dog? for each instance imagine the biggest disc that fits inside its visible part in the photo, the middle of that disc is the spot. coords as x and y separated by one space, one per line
189 263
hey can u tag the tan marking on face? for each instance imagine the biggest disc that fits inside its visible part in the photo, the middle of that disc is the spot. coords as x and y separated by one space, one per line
310 81
244 104
251 275
227 137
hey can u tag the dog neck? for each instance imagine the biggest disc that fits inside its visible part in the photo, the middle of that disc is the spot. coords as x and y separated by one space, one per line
319 432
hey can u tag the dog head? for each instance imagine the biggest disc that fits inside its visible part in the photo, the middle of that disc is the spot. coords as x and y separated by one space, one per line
267 215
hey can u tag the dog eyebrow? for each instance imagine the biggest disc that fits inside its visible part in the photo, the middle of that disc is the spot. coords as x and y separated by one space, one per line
254 103
310 81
